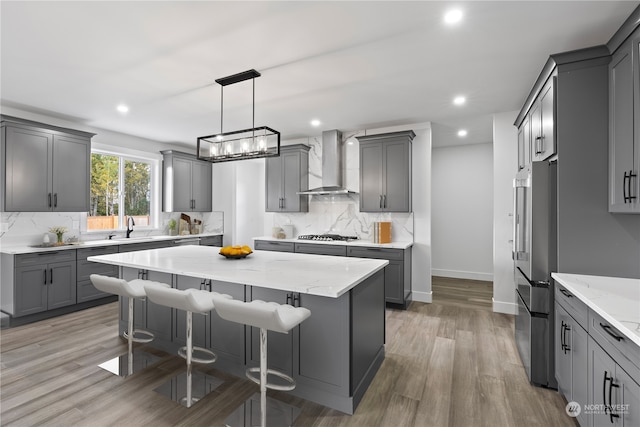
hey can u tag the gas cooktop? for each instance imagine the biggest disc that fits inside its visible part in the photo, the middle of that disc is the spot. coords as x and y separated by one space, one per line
327 237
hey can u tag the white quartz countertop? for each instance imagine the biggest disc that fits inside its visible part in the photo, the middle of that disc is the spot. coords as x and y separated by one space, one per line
30 249
327 276
363 243
616 299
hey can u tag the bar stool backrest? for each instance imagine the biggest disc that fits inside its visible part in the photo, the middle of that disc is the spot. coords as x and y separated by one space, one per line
193 300
267 315
113 285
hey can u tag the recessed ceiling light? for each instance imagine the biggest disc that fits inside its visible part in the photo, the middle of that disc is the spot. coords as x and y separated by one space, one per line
122 108
462 133
315 122
459 100
453 16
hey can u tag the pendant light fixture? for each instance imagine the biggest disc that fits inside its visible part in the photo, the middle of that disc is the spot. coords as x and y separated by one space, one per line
241 144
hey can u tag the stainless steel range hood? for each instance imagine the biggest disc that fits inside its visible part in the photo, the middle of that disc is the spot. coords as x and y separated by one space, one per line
331 166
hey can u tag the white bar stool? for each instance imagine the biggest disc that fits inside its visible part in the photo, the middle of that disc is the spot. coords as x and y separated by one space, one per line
132 290
191 301
268 316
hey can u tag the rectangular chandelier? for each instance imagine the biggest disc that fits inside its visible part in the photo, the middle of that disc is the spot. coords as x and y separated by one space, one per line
239 145
242 144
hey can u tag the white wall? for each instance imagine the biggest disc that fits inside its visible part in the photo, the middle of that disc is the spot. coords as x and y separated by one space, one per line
462 211
505 160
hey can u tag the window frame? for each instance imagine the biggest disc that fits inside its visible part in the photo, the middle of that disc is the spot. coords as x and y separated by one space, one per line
155 195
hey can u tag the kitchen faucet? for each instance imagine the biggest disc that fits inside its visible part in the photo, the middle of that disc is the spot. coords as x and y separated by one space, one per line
130 224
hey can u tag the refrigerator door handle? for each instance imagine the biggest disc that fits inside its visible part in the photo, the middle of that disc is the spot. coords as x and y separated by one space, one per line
514 254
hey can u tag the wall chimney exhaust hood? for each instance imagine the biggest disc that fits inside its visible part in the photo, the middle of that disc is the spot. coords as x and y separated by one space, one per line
331 166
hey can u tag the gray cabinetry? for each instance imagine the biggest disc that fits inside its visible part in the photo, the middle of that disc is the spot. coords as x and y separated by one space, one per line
186 183
613 393
44 281
285 176
45 168
385 172
571 349
524 144
537 131
312 248
624 127
269 245
397 275
85 289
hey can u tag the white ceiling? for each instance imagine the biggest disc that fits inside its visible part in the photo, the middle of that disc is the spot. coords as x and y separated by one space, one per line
352 65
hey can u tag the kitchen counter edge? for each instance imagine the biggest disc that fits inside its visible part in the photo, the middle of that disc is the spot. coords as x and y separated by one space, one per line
359 243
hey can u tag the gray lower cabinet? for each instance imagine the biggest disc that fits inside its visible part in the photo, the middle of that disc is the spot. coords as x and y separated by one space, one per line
614 394
44 281
145 245
624 127
285 176
571 360
397 275
269 245
187 183
147 315
385 172
85 289
44 168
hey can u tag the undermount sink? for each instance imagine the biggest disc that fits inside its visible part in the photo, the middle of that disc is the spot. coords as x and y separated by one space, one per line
133 239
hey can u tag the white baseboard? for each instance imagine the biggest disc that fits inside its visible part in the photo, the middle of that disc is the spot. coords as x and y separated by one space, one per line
488 277
504 307
422 296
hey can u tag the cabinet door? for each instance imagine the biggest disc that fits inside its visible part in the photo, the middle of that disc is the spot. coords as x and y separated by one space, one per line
182 196
227 338
562 354
201 187
273 172
71 174
621 130
279 346
321 344
61 286
536 130
396 195
31 289
630 399
139 305
291 177
371 167
159 317
545 144
602 371
578 349
28 170
394 282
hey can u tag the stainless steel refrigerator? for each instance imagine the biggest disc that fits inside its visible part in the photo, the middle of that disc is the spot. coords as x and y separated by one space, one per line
535 257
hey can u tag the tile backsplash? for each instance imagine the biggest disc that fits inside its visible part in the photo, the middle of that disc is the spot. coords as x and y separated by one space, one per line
29 227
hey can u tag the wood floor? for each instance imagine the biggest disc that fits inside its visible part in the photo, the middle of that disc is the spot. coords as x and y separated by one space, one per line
449 363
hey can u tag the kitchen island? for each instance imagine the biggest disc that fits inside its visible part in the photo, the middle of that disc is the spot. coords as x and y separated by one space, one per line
333 356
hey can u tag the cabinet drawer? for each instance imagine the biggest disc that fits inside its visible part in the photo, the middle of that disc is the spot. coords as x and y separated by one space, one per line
267 245
211 241
87 292
576 308
376 253
144 246
624 351
87 268
310 248
25 260
82 254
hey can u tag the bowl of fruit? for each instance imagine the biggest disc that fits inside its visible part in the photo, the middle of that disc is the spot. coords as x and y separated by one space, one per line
235 251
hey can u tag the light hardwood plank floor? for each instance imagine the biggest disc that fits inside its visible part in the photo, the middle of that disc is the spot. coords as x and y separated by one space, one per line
449 363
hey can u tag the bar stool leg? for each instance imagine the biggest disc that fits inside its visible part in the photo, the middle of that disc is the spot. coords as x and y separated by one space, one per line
130 338
263 377
189 355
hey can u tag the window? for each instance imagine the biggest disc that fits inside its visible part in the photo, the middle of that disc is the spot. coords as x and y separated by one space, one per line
120 187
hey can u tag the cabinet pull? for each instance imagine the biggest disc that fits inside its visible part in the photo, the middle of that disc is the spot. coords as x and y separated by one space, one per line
49 196
626 186
296 299
562 344
565 293
51 275
384 201
538 144
45 276
609 331
611 414
566 347
604 393
55 200
289 298
380 202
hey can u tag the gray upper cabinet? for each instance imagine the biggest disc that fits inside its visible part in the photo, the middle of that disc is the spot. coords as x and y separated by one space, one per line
45 168
285 176
624 127
385 172
537 132
186 183
524 144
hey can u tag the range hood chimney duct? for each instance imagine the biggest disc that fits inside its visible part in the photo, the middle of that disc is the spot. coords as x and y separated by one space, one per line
331 165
